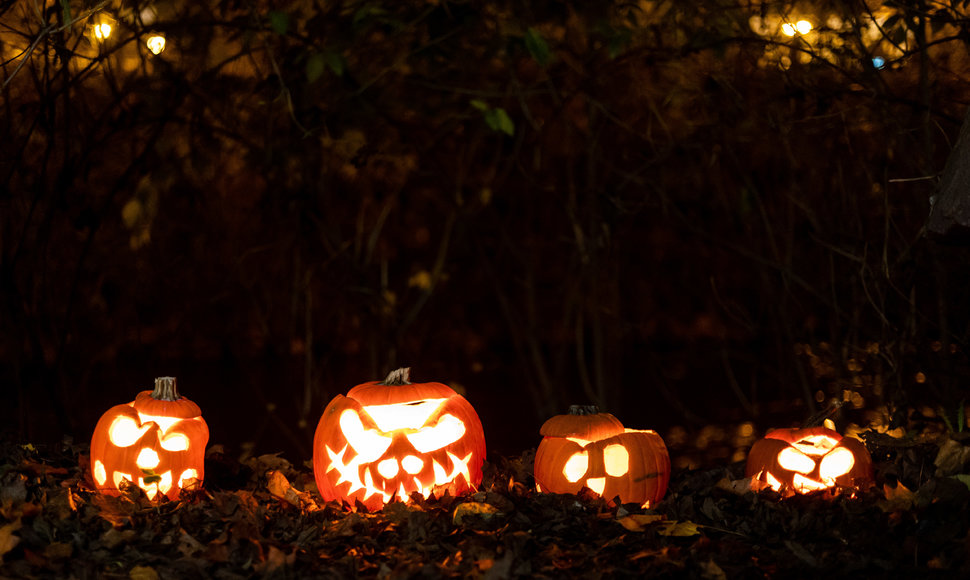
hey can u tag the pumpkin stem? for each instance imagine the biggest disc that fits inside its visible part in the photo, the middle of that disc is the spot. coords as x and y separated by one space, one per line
398 377
583 410
165 389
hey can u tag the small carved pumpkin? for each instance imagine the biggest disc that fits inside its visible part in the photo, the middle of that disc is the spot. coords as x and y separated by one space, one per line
794 461
156 441
386 440
590 449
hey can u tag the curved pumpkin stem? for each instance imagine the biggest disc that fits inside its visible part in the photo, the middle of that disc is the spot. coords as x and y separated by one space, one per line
584 410
397 378
165 389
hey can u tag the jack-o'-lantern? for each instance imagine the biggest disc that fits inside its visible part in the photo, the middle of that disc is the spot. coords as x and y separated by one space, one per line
792 461
386 440
156 442
590 449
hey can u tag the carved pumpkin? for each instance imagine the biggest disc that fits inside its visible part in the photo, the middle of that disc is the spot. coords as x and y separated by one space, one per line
590 449
156 441
386 440
794 461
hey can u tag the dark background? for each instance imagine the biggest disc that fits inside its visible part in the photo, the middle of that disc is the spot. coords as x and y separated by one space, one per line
669 209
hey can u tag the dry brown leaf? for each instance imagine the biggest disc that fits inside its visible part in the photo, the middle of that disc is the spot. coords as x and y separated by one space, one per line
280 488
275 558
898 498
8 541
952 458
740 486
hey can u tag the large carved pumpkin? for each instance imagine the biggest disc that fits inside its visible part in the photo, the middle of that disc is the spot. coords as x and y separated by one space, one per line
386 440
590 449
156 442
794 461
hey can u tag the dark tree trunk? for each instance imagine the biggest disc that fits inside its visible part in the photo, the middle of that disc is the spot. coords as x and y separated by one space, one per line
949 217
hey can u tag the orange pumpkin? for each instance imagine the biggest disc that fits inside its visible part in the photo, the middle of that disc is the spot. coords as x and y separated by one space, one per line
386 440
794 461
156 441
590 449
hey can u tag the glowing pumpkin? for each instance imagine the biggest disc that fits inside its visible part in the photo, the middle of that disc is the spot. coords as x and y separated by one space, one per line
590 449
794 461
386 440
156 441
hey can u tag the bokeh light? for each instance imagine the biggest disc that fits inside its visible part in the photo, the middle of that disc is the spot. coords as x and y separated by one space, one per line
102 31
156 44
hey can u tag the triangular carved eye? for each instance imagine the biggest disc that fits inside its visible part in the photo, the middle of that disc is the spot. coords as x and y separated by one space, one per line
576 466
794 460
433 437
368 443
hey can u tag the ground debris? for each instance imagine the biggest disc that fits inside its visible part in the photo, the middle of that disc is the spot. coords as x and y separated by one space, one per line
264 518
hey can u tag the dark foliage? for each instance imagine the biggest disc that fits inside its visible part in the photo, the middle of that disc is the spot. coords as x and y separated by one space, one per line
669 208
256 519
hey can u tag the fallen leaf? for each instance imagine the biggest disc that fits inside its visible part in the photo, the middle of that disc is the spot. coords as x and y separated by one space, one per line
898 498
952 458
280 488
275 558
188 546
740 486
637 522
711 571
802 553
58 551
474 508
8 541
143 573
963 478
679 529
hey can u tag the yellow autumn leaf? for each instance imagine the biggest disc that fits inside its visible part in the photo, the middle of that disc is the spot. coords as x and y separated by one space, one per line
679 529
143 573
637 522
474 508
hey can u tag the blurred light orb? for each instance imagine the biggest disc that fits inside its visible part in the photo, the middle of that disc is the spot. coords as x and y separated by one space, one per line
878 62
102 31
156 44
148 15
800 27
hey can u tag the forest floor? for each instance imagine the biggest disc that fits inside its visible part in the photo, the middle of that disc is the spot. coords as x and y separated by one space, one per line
261 518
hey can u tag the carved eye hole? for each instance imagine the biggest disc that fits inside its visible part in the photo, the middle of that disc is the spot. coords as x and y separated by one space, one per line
368 443
576 466
794 460
125 431
837 463
175 442
616 460
448 430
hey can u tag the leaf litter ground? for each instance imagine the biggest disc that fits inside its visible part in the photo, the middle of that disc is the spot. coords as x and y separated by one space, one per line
262 518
